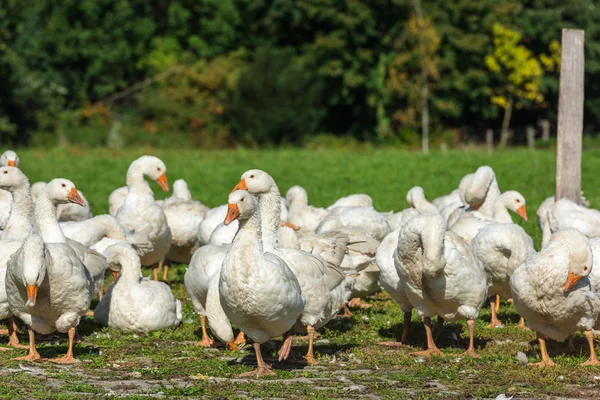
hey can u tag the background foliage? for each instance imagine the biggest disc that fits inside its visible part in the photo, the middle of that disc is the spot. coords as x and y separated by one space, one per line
222 73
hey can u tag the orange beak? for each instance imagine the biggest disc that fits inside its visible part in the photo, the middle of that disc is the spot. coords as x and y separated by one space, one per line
32 291
572 280
294 227
74 197
522 212
163 182
233 212
115 274
240 186
231 345
12 163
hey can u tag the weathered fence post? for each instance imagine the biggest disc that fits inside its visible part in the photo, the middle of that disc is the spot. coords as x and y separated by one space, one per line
489 140
545 126
530 130
570 116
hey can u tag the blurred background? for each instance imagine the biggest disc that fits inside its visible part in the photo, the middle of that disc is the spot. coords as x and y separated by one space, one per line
306 73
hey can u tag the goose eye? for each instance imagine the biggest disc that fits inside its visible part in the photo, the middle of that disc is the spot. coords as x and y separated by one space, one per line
242 200
158 168
585 268
63 185
251 176
6 172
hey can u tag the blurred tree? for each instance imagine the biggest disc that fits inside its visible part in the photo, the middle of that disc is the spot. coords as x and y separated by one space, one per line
518 73
275 99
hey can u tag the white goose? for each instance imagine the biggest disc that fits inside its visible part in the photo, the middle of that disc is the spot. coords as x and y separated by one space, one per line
184 216
213 220
480 194
8 159
48 286
439 274
501 249
66 212
353 200
543 218
134 303
258 291
19 226
389 278
470 224
141 215
457 204
366 218
93 230
551 290
300 213
564 214
322 283
116 200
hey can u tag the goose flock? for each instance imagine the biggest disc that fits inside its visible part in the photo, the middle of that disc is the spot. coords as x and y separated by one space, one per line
276 266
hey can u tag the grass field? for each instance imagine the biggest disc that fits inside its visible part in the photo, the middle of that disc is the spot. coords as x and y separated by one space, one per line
351 364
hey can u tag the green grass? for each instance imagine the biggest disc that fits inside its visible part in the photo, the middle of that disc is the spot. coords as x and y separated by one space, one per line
352 365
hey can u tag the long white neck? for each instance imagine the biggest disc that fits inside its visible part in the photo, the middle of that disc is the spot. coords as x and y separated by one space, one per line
20 221
501 213
135 174
493 193
298 203
246 253
270 214
46 220
131 269
112 229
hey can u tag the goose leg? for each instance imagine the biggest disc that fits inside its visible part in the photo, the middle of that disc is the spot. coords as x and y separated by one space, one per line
286 346
263 369
495 323
67 358
405 331
13 340
432 349
357 303
546 361
155 271
166 266
522 325
346 312
593 360
471 350
497 308
206 341
33 353
310 358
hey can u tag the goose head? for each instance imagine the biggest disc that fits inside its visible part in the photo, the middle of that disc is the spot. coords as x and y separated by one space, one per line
12 178
515 201
255 181
241 205
414 195
580 255
153 168
181 190
296 194
62 191
34 266
9 158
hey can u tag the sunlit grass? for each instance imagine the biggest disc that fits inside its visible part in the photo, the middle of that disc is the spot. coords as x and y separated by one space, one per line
352 364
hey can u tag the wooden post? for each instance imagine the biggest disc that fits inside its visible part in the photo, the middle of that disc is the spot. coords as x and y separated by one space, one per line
570 116
489 140
545 125
530 136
